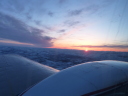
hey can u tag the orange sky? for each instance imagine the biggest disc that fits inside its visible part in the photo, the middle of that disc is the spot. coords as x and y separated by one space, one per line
88 48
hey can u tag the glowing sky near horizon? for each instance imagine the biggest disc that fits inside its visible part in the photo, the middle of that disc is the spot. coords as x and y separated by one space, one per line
68 24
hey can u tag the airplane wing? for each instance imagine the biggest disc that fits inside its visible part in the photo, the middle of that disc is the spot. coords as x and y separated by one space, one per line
18 74
24 77
87 79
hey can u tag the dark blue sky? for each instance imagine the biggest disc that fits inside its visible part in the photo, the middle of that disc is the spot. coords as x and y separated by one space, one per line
74 24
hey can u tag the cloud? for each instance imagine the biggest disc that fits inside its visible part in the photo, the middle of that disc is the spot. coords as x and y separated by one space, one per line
62 1
67 33
24 8
63 30
37 22
104 46
50 14
75 12
15 30
28 16
109 1
71 23
21 5
91 7
14 43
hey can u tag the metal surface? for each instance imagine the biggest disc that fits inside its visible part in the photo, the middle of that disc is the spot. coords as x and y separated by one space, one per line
85 79
18 73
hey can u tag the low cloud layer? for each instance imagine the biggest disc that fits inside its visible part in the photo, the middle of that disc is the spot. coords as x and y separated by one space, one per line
15 30
104 46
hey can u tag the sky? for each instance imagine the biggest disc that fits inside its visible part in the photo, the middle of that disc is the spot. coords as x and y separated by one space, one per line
100 25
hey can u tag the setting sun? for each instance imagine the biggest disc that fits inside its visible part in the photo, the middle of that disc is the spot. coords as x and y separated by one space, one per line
86 50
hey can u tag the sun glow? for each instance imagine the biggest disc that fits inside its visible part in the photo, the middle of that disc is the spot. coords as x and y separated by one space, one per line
86 50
